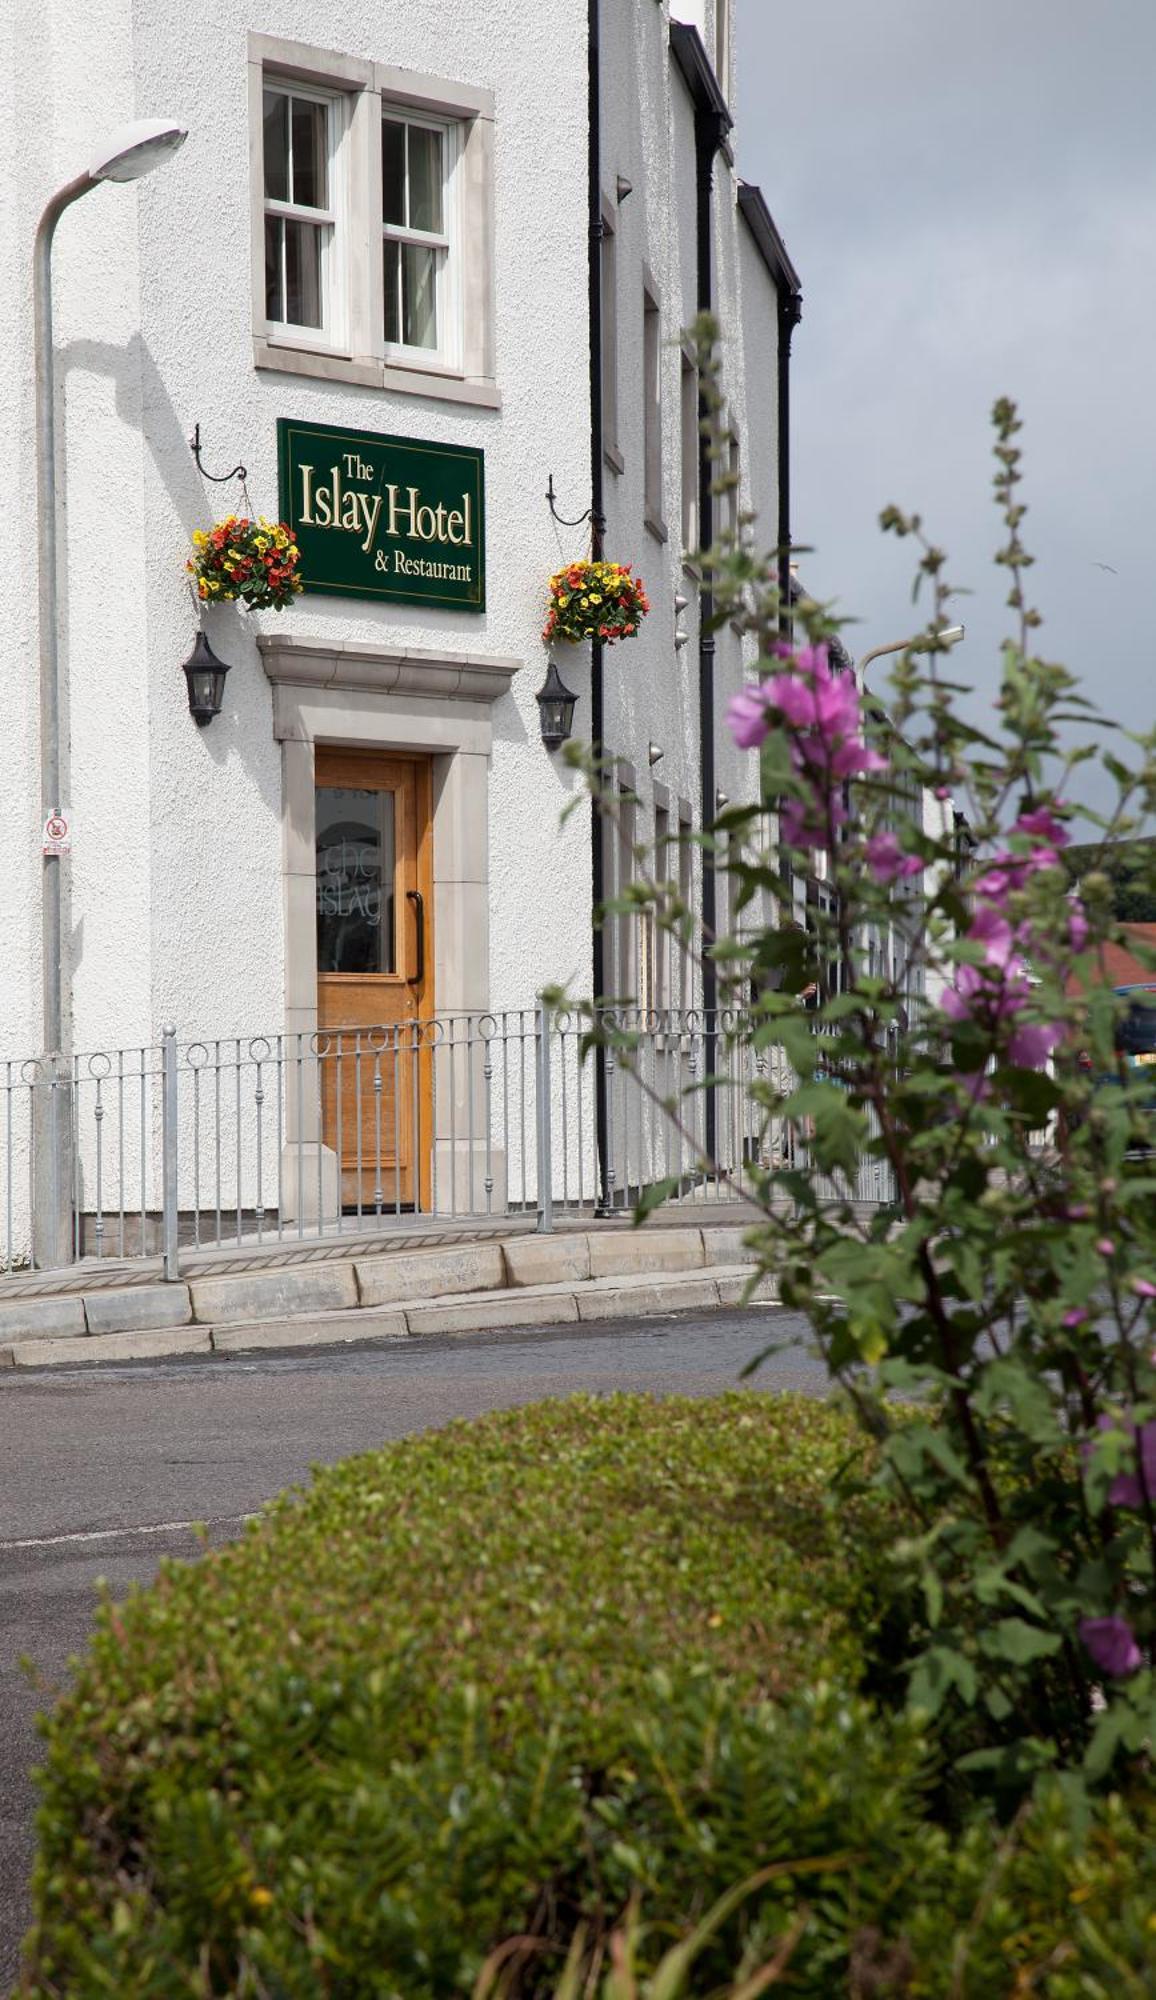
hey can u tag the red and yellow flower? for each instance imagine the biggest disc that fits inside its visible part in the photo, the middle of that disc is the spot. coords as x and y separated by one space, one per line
595 600
253 562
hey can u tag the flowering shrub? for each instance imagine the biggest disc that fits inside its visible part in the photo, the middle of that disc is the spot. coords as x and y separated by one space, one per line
253 561
595 600
946 1020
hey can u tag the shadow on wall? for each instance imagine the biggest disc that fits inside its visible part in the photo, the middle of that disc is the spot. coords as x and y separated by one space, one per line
143 404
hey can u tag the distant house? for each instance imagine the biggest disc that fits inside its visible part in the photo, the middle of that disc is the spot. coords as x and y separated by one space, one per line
1120 966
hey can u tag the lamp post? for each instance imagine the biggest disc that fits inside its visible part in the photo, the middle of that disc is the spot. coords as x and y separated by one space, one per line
948 635
131 151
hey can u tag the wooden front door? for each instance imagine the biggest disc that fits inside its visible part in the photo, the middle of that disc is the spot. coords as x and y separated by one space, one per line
375 973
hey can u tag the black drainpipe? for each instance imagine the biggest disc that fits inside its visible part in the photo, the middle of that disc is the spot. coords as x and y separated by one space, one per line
598 544
709 133
790 312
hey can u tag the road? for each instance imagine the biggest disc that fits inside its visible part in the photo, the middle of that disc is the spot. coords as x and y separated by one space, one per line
104 1471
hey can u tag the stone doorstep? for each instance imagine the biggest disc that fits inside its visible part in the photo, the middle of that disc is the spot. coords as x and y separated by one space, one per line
554 1304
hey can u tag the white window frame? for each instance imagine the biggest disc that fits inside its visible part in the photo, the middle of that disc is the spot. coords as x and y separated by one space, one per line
448 352
352 346
334 276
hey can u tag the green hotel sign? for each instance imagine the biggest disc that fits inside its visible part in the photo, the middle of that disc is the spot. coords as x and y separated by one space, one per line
378 516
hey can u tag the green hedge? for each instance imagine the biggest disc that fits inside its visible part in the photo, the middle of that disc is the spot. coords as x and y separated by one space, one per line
516 1678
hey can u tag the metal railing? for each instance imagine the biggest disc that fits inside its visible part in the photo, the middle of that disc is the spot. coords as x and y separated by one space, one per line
260 1140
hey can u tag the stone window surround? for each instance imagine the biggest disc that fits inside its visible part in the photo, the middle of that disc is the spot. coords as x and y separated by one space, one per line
652 412
366 86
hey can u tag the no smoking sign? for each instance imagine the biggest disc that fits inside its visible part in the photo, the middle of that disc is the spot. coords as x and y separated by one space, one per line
58 832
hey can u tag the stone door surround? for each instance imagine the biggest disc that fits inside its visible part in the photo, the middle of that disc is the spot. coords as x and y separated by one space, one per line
390 699
378 697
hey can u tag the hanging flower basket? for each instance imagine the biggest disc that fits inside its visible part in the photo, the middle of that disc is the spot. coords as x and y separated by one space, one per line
253 563
595 600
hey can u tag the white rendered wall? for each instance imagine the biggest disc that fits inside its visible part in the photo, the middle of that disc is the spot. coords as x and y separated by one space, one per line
175 907
652 689
177 865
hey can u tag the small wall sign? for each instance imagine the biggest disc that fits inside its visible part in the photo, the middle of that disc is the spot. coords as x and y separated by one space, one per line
378 516
57 837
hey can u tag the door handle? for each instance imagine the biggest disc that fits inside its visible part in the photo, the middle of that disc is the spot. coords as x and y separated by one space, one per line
415 897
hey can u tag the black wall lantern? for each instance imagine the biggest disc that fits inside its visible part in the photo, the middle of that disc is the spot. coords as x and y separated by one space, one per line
556 707
205 674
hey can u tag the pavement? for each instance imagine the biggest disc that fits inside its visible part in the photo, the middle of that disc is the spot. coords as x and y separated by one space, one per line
106 1469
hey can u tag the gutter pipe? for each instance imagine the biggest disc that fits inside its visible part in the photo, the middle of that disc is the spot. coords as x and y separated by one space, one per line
598 544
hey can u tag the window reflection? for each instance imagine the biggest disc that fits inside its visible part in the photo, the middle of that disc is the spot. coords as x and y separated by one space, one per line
355 880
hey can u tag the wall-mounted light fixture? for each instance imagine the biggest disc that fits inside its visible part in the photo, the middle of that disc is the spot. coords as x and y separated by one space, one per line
205 675
556 707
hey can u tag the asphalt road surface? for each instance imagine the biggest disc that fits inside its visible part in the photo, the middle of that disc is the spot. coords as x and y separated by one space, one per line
104 1470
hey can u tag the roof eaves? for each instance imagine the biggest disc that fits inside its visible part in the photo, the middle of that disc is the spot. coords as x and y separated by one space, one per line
690 54
770 245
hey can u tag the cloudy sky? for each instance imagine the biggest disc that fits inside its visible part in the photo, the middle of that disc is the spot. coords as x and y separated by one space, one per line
968 190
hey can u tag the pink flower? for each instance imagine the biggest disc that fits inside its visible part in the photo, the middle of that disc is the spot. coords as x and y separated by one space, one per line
1075 1316
1006 872
1126 1489
1105 1246
803 823
995 934
747 716
1112 1644
887 861
1031 1045
1144 1288
821 711
795 700
1042 824
995 883
977 1086
1077 924
980 993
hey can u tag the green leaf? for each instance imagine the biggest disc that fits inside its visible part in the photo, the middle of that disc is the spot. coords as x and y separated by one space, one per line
652 1198
1015 1640
936 1673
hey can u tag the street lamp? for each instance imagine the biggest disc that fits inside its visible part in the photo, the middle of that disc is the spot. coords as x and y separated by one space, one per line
131 151
948 635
